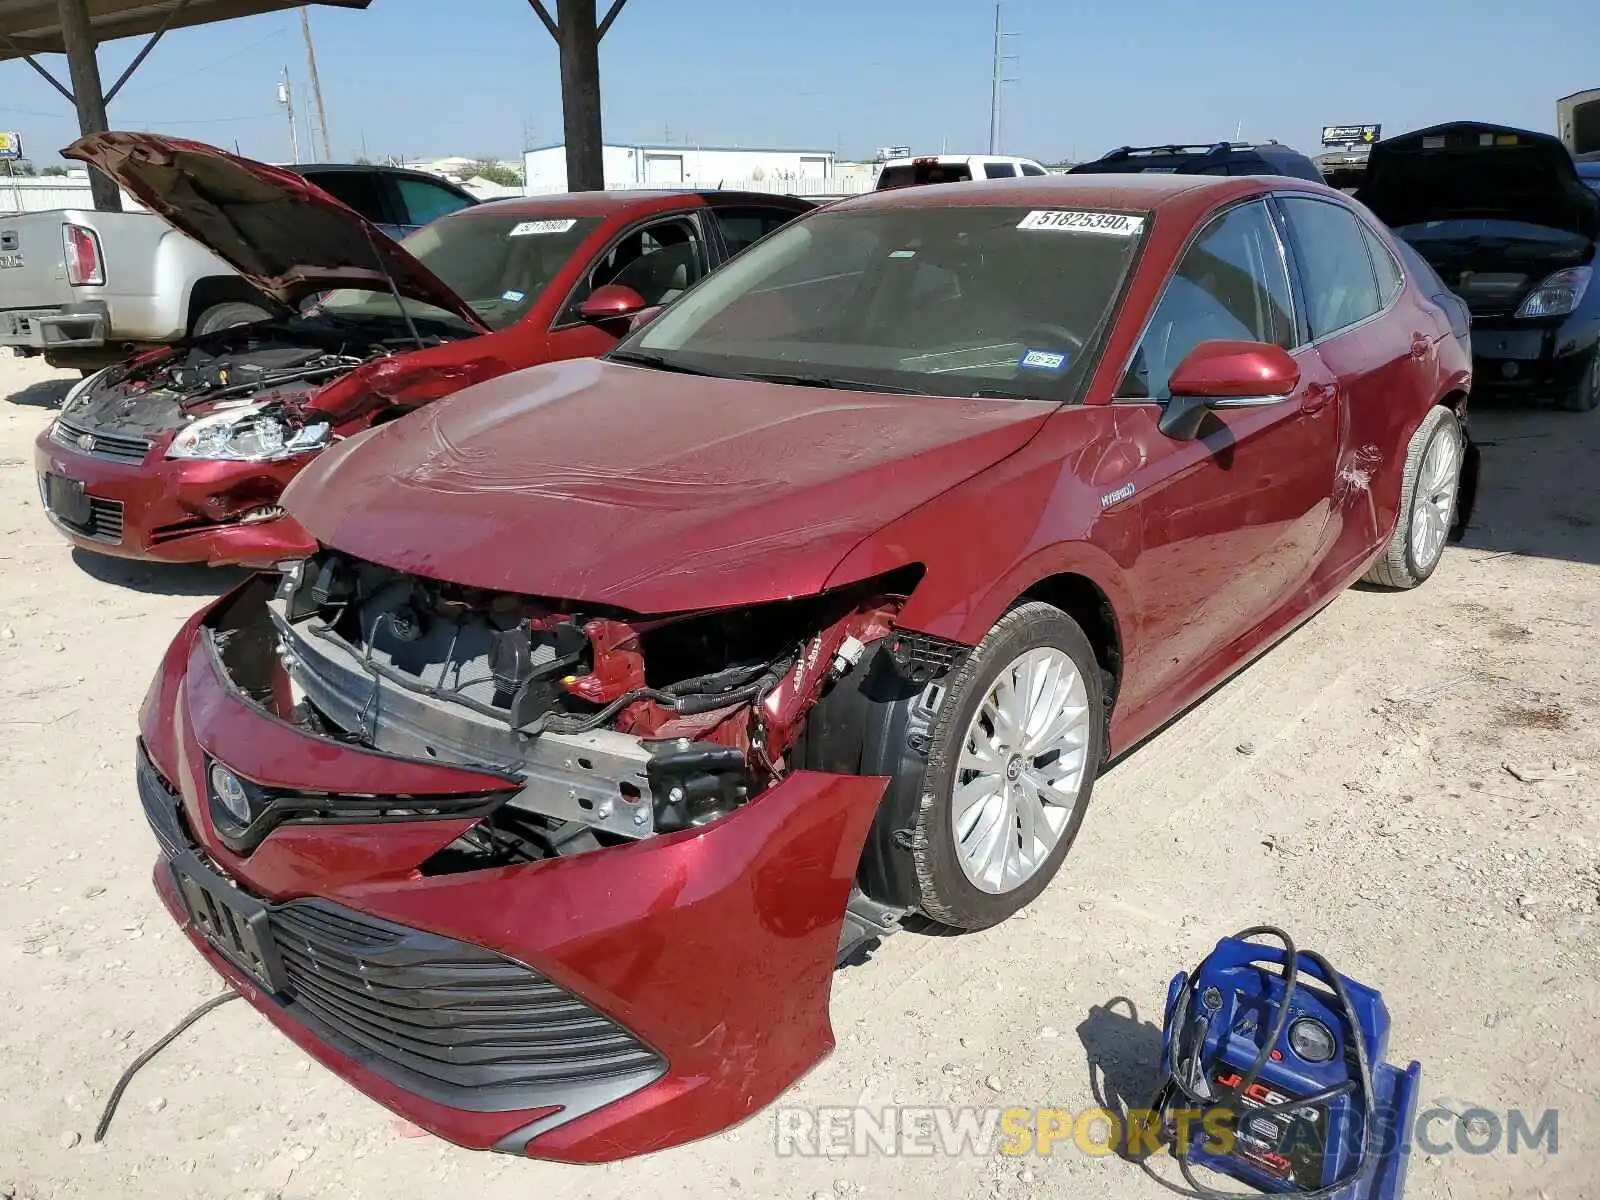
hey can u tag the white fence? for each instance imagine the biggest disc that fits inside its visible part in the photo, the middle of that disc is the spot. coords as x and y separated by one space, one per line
814 186
29 193
46 192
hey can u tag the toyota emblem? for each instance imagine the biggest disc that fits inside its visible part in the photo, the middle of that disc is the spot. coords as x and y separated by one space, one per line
86 442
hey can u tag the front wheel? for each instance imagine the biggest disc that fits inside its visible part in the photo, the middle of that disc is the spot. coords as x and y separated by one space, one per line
1585 397
1430 484
1013 754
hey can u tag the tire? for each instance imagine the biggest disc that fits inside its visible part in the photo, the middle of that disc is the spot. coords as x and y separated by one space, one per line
1432 480
949 892
1586 396
228 314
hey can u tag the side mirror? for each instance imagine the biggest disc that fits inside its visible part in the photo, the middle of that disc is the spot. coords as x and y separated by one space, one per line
1225 375
611 302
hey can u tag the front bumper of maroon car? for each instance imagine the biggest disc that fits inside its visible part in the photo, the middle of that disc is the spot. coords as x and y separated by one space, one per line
582 1009
123 497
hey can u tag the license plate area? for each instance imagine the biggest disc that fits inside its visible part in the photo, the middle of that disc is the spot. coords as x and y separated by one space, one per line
66 498
235 924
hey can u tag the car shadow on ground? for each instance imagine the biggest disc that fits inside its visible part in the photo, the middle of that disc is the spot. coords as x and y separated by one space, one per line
1538 493
47 393
1124 1058
159 579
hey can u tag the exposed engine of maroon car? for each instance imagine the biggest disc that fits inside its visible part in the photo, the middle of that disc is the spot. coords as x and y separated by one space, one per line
619 727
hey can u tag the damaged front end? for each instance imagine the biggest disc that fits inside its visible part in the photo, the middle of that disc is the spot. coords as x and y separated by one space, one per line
620 727
419 785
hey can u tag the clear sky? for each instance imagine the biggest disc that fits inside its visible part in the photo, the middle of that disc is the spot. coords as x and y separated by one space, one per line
476 77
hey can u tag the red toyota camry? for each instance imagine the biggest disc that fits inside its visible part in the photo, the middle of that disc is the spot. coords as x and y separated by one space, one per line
182 454
620 697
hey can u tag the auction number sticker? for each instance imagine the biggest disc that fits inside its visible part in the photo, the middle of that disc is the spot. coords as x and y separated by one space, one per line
1115 224
527 228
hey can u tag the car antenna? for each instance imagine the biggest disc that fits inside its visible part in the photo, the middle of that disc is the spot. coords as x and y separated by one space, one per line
394 290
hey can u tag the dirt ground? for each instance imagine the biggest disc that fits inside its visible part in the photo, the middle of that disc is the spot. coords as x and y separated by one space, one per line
1353 786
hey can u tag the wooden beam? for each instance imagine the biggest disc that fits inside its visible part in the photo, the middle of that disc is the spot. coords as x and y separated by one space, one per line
34 63
87 94
611 15
549 22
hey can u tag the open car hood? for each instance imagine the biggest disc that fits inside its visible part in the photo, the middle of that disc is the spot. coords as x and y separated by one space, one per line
1469 169
648 491
279 230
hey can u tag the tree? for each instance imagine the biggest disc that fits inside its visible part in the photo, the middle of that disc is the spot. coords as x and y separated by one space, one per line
56 170
21 166
496 172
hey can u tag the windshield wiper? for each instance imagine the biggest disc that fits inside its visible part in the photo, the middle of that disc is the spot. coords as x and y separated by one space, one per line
828 381
658 362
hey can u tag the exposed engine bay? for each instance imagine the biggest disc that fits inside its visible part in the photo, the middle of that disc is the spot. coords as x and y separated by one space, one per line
613 726
276 365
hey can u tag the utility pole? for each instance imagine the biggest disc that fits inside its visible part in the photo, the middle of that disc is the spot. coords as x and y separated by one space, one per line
316 85
286 98
998 79
578 35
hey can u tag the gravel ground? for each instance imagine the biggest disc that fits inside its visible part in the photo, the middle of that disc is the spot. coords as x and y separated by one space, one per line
1353 786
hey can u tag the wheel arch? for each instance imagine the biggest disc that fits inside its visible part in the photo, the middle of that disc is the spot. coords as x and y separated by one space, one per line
212 290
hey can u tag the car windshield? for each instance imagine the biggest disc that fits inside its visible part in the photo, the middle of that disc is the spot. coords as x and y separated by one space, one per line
958 300
1481 231
497 264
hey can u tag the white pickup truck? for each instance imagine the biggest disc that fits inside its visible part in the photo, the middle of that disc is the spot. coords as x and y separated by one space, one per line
85 288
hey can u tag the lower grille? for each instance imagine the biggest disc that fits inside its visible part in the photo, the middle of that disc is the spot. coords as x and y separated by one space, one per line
110 446
160 805
449 1020
446 1020
104 523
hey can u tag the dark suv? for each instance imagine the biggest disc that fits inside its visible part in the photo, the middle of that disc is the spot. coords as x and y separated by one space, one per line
1217 158
395 199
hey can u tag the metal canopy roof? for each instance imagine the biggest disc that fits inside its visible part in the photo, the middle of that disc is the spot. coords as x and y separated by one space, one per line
34 26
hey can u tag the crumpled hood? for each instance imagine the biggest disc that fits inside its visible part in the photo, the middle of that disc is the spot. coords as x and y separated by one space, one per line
1470 169
649 491
280 231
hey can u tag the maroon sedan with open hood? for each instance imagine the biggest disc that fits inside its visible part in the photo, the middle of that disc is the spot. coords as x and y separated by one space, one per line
621 696
182 454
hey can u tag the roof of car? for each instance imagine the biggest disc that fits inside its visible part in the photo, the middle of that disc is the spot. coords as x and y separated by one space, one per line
1137 192
606 204
911 159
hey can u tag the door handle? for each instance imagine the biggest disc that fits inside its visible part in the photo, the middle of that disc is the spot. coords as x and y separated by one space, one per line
1421 345
1318 396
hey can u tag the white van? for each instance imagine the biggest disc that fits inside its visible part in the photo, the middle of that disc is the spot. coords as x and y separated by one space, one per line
953 168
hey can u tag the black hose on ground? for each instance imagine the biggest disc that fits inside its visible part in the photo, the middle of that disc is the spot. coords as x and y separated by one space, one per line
133 1069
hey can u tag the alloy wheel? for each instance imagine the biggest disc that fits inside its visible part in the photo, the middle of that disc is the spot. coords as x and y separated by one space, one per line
1020 770
1434 506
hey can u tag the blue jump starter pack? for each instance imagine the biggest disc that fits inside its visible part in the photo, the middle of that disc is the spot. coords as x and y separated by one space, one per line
1289 1072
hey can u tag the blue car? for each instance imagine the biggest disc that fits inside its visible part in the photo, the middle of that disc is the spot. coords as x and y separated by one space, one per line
1504 218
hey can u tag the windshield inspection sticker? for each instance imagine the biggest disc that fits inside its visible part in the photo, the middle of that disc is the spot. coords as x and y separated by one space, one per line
1068 221
1043 360
552 226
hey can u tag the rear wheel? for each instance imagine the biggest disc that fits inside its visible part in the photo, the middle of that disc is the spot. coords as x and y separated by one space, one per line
228 314
1586 396
1013 754
1429 488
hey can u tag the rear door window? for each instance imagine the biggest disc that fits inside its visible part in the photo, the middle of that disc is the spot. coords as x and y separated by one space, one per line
1030 169
999 171
1340 286
423 202
360 190
1232 285
1390 278
744 226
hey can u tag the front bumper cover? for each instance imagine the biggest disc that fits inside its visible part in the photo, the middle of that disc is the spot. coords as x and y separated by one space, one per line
177 510
713 948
